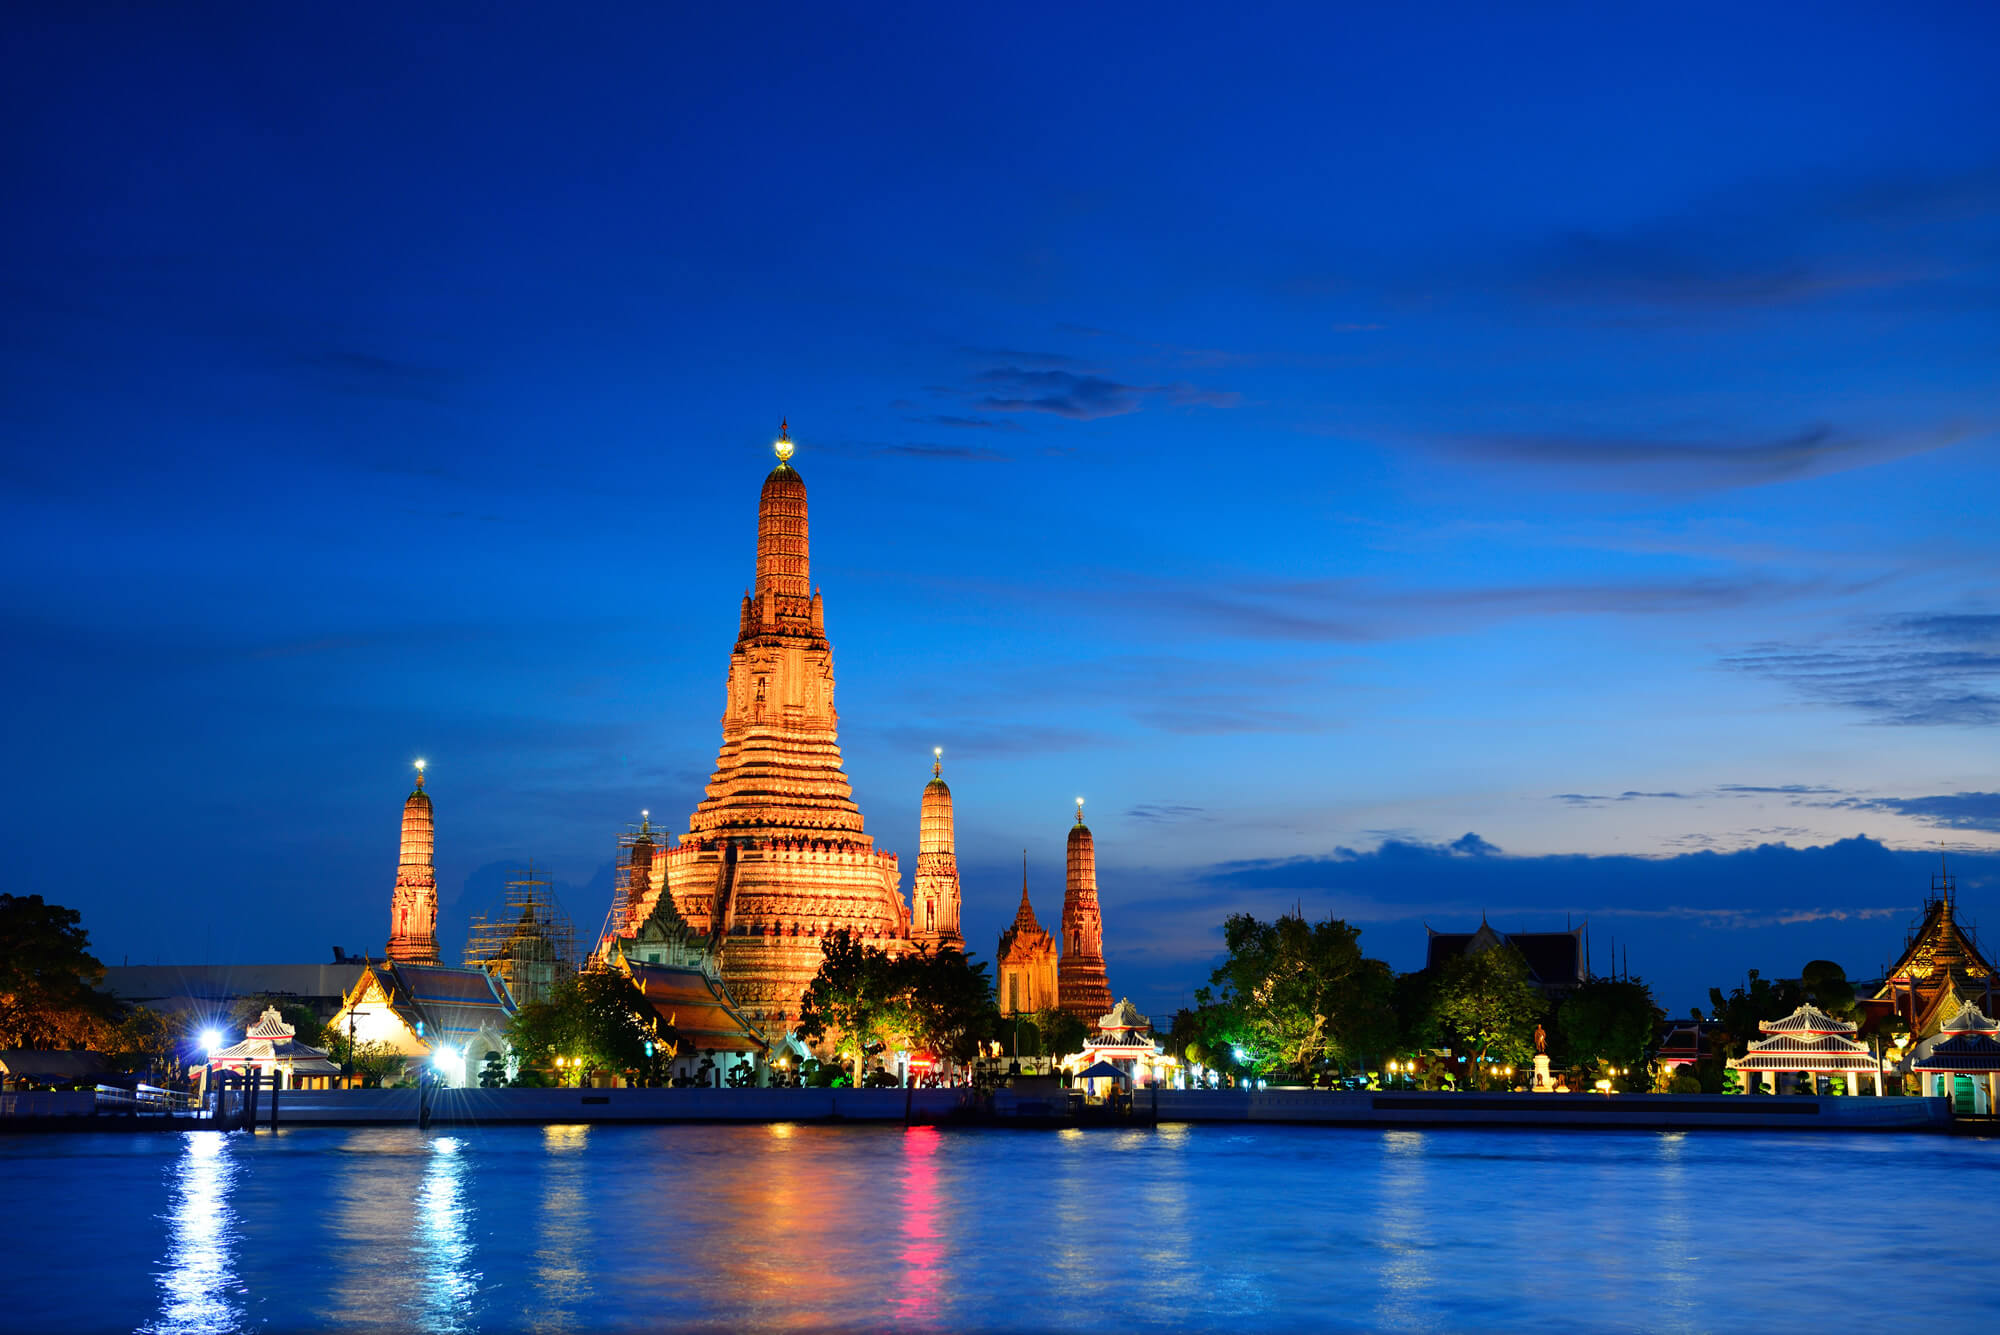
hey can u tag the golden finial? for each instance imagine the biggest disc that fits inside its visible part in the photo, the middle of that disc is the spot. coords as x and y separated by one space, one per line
937 762
420 774
783 446
1079 811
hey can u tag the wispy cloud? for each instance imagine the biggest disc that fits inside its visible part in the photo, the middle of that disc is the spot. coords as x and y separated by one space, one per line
1637 461
1081 396
961 423
1165 813
961 453
1949 811
1932 669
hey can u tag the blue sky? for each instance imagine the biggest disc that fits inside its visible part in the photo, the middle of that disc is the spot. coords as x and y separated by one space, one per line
1310 436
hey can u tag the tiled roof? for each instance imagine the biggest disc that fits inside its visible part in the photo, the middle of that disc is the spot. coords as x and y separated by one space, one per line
1971 1052
698 1007
1970 1020
1807 1019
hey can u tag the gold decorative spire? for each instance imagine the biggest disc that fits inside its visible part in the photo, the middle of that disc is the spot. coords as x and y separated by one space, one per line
783 447
1079 811
937 762
420 775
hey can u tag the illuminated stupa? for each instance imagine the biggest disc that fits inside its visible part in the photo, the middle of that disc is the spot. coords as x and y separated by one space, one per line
1081 987
934 892
413 908
775 858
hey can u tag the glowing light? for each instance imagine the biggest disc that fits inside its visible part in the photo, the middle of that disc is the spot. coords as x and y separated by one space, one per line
782 446
211 1039
420 767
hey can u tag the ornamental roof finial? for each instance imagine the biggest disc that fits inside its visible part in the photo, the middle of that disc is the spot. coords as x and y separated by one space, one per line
420 774
937 762
783 446
1079 811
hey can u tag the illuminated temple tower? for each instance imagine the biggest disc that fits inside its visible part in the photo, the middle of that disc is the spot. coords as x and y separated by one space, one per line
1027 961
934 891
775 857
1081 986
413 909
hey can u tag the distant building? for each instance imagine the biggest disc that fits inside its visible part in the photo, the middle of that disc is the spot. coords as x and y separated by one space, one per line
425 1012
681 979
1556 962
1124 1039
271 1049
413 906
1941 970
934 896
1025 975
210 991
1082 988
529 943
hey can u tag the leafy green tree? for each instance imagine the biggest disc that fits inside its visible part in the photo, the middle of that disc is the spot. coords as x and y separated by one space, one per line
1487 1006
149 1046
493 1071
369 1061
1608 1021
943 1002
1061 1033
851 1002
1825 985
1302 994
48 977
596 1019
306 1025
1739 1014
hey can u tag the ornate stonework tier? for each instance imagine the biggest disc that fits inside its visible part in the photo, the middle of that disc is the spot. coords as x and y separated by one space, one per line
413 905
1081 985
934 894
775 856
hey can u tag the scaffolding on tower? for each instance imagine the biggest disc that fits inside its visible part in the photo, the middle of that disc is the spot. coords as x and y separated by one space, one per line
631 881
529 943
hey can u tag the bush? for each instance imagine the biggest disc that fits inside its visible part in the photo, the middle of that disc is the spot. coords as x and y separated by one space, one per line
1684 1084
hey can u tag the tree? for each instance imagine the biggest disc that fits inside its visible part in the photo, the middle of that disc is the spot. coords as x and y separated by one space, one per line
595 1019
1740 1013
943 1002
1609 1021
851 1001
147 1045
305 1021
1825 985
369 1061
1486 1004
493 1071
48 997
1303 994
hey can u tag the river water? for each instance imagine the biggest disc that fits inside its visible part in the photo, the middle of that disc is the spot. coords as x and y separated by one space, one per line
810 1228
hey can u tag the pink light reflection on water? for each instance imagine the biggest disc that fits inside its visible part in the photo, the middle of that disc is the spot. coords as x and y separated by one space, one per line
923 1244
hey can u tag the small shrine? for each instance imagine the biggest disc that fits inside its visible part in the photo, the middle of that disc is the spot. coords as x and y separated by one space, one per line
1807 1042
1962 1062
1125 1042
270 1048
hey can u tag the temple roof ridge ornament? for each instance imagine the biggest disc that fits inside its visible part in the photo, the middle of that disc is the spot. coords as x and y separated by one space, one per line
420 776
784 445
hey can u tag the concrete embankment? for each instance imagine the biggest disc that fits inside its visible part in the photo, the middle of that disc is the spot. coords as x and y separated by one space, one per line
502 1107
1665 1112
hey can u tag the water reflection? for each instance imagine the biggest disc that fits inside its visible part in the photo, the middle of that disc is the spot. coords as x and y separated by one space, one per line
199 1287
444 1239
1404 1220
562 1253
923 1245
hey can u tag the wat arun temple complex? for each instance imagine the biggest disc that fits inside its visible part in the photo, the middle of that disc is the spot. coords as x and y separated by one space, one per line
776 857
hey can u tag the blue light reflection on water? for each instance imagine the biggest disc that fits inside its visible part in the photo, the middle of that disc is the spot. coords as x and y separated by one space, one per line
807 1228
199 1289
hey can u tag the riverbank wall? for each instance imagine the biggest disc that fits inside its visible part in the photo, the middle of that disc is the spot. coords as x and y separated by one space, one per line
943 1107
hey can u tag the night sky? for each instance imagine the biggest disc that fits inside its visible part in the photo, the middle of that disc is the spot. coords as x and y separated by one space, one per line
1405 467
